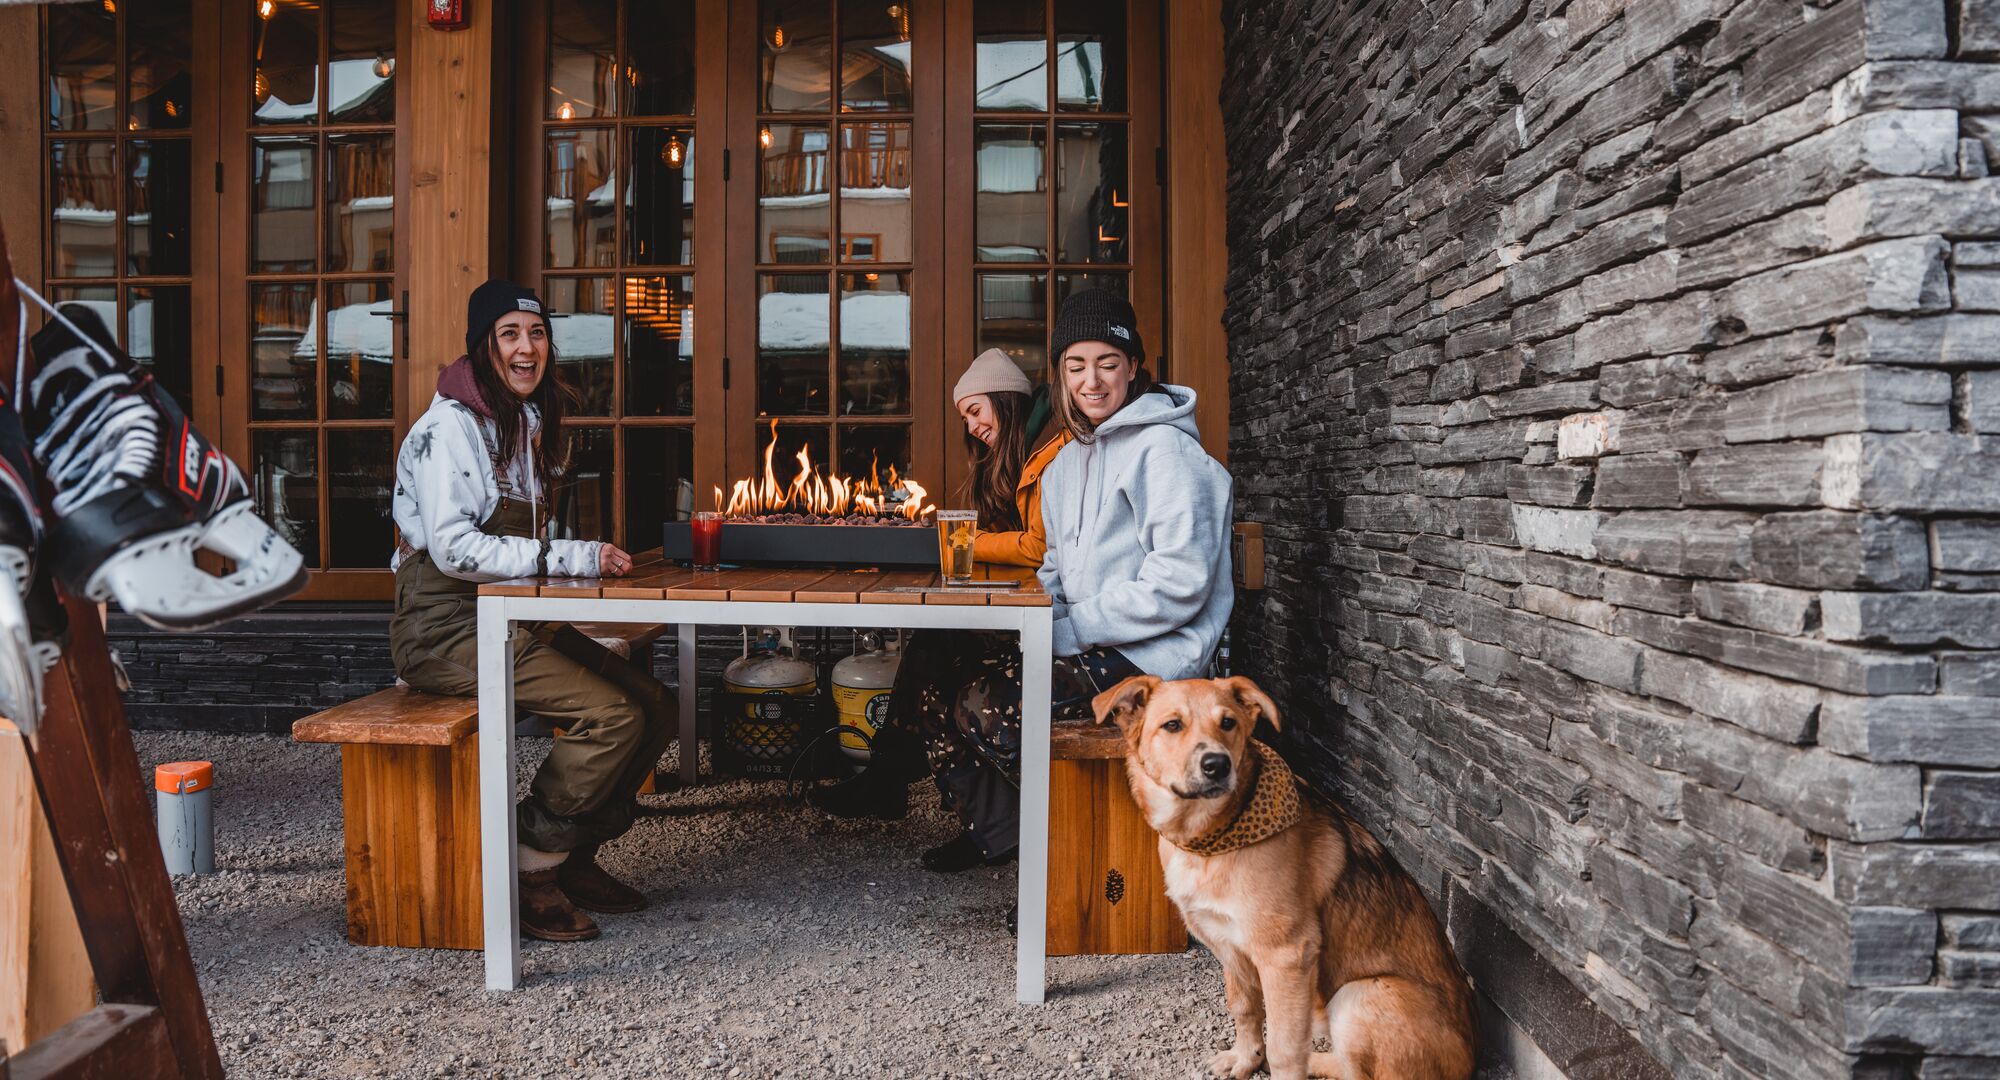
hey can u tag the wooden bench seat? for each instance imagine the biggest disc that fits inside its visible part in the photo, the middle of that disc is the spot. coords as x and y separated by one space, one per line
409 777
1107 893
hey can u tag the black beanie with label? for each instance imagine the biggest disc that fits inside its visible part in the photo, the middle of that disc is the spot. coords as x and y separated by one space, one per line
1096 315
494 299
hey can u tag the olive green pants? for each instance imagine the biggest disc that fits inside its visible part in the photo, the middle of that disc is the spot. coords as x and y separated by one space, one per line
617 718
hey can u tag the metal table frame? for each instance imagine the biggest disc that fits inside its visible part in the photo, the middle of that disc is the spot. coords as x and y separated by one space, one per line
498 615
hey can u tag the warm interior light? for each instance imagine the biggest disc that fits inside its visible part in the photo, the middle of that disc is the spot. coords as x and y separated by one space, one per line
764 138
901 14
778 39
266 8
564 111
674 152
111 6
260 87
383 66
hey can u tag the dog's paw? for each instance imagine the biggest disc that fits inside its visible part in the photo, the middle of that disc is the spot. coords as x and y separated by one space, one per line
1237 1063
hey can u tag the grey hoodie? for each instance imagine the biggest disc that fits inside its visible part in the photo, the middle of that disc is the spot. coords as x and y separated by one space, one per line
1138 529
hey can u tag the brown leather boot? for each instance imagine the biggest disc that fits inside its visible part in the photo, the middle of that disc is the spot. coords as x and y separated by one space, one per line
547 913
591 888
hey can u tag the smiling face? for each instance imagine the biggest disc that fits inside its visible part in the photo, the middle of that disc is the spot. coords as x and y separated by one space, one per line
1097 376
980 422
521 353
1190 737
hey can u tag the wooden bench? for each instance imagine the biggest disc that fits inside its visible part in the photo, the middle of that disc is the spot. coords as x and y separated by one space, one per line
409 778
1107 893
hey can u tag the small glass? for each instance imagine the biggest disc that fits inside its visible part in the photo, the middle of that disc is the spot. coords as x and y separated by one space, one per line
705 540
956 531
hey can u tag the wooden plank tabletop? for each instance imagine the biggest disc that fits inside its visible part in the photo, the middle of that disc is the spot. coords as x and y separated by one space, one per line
653 579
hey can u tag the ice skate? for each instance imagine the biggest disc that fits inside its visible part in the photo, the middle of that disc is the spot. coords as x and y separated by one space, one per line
139 491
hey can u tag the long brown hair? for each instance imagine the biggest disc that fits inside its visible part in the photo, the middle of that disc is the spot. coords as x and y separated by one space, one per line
551 398
996 469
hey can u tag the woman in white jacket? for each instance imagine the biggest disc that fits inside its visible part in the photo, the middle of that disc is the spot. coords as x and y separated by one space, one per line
1137 519
472 481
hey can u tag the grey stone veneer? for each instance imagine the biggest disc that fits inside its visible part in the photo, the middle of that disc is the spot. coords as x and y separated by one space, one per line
1619 384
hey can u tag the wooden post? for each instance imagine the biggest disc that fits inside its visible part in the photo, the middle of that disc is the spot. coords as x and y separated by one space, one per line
448 137
44 970
1197 215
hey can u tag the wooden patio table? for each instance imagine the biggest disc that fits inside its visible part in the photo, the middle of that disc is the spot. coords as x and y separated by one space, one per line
657 592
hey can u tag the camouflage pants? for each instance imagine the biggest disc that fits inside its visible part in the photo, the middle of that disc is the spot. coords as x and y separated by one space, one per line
960 692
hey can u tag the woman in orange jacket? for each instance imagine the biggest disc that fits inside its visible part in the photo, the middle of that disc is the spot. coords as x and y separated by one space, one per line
1004 415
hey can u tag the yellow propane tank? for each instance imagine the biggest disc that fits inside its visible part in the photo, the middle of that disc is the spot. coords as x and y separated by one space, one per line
861 691
769 692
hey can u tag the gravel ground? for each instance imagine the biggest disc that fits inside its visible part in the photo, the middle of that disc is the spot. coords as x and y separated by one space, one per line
780 944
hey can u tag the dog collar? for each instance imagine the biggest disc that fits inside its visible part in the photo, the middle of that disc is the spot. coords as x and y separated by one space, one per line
1273 807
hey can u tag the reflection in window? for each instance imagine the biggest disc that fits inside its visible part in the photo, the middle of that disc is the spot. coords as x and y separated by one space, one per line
83 207
792 315
1014 318
157 226
792 193
361 202
360 348
360 533
1012 210
659 346
659 200
659 482
583 67
82 67
1011 55
582 500
1092 193
795 51
580 216
1090 55
281 204
874 344
361 62
159 335
284 353
284 474
285 84
582 318
875 192
158 64
875 57
872 449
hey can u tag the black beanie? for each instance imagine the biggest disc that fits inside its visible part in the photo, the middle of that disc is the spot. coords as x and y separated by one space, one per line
494 299
1096 315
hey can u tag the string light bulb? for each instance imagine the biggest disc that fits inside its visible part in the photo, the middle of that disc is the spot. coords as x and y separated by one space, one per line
565 111
260 87
384 66
674 152
111 7
900 13
266 8
764 138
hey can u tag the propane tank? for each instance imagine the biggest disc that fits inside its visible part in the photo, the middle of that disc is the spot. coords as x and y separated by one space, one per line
767 732
861 691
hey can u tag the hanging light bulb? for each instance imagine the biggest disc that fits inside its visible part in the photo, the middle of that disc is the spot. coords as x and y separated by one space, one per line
565 111
674 152
764 138
900 13
266 8
260 87
111 7
779 39
384 66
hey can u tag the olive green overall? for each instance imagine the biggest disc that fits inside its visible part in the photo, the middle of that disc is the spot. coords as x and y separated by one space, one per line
617 718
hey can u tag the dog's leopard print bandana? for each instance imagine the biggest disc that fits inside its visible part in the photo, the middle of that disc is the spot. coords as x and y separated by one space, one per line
1272 808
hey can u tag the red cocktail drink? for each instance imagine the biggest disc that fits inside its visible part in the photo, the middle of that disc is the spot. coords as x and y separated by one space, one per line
705 540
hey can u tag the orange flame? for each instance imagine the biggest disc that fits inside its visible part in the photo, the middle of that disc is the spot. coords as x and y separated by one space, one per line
814 492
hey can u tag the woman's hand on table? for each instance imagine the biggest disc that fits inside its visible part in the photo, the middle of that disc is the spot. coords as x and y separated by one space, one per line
612 561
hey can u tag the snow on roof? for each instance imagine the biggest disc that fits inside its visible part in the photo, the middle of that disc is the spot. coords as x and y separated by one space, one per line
349 81
868 320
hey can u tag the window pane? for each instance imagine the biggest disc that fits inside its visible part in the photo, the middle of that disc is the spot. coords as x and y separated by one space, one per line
791 345
285 84
159 56
1012 55
581 222
83 208
791 193
1090 55
874 344
281 204
875 56
1072 281
581 504
791 437
284 467
796 49
581 331
659 482
1092 195
1012 214
159 335
659 346
875 192
877 447
360 202
361 73
283 352
157 225
83 67
583 65
359 466
659 49
361 350
659 214
1014 318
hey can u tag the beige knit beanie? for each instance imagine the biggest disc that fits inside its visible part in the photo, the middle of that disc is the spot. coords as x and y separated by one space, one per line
991 372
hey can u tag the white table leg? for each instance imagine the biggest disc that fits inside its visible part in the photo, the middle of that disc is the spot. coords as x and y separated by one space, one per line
1032 943
690 722
497 866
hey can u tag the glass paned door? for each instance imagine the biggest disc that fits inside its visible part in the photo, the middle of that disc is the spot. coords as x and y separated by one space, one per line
622 231
834 291
312 109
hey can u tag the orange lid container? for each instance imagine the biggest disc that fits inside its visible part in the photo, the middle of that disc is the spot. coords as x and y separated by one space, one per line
182 777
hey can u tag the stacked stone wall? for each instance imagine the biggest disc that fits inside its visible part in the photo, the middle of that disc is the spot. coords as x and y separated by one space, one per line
1619 386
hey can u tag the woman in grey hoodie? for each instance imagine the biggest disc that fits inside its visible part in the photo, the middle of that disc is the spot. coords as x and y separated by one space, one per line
1137 519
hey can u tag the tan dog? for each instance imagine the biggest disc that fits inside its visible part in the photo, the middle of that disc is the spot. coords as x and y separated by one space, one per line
1318 930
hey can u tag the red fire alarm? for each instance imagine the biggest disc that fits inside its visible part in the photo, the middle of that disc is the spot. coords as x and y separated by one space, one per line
445 14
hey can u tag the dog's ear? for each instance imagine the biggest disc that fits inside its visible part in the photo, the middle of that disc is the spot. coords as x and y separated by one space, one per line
1253 698
1123 703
